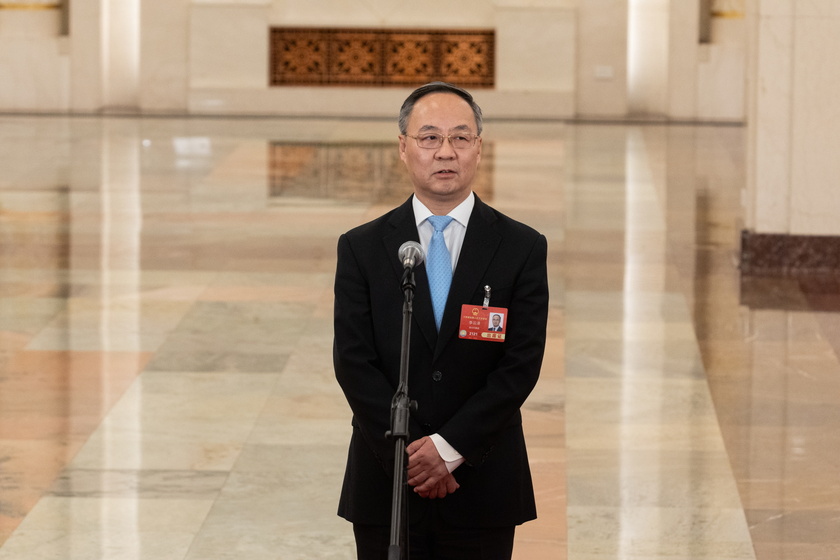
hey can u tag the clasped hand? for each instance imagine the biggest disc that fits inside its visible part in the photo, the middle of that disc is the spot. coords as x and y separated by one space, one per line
427 471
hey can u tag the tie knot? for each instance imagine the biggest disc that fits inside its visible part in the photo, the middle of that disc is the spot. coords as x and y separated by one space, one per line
440 222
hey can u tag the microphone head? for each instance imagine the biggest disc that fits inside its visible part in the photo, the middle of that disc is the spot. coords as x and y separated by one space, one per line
411 253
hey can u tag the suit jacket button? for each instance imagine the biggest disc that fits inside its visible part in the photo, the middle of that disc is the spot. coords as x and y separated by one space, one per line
437 376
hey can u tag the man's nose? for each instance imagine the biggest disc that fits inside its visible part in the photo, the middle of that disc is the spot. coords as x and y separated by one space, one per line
446 149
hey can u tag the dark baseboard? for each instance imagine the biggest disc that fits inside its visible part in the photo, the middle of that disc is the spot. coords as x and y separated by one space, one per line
773 254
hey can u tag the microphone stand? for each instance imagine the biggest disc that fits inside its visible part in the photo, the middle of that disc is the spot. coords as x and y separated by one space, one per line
401 408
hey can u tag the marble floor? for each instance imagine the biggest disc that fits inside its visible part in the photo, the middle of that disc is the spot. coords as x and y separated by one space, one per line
166 390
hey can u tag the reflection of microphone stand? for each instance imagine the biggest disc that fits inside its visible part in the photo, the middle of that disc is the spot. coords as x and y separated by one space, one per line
401 407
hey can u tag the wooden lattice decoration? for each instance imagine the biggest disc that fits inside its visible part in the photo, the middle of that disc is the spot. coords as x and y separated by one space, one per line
378 57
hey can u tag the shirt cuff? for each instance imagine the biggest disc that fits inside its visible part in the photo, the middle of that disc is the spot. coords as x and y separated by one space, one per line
451 457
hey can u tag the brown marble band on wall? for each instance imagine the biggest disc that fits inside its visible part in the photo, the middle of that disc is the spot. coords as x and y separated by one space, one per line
381 57
774 254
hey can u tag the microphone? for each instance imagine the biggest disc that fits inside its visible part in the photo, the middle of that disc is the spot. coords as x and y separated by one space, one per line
410 254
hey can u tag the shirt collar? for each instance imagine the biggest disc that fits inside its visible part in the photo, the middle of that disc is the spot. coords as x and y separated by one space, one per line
460 213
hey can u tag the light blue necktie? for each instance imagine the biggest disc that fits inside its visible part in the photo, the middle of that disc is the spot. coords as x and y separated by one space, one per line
439 266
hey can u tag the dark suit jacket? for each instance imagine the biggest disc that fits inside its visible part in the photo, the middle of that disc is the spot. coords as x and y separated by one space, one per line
468 391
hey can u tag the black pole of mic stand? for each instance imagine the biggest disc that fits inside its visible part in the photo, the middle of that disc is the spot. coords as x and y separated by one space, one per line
401 407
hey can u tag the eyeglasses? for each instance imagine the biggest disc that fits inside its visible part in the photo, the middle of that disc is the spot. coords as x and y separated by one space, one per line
432 141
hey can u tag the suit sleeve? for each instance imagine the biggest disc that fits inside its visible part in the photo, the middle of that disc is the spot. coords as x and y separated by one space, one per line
496 405
358 366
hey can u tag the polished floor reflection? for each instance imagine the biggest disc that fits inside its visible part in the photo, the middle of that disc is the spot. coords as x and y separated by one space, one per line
166 389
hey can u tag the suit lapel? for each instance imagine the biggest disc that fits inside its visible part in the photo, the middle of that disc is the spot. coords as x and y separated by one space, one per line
405 229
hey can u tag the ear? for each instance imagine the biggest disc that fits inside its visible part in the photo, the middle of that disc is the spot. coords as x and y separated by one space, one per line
478 156
402 147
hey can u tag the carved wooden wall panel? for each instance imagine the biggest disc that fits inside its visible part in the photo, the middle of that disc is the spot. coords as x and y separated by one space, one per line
377 57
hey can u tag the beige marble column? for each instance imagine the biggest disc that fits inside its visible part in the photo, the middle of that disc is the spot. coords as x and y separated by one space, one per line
648 57
791 204
104 42
87 45
683 53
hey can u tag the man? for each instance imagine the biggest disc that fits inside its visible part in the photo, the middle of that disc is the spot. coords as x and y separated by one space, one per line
467 462
497 323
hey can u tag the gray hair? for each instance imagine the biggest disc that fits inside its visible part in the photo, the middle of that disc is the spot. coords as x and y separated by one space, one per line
437 87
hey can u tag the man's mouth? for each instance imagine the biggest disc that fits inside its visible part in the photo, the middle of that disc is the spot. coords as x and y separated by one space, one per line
444 172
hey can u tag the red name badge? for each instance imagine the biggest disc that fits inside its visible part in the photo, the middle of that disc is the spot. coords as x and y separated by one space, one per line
483 323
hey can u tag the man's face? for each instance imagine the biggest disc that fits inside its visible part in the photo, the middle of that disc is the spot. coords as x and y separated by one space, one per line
496 320
444 175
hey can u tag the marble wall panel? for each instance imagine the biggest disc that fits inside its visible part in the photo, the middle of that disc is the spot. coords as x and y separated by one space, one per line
535 49
164 59
818 8
721 79
602 58
815 166
776 7
721 73
529 91
384 13
33 59
793 141
555 58
25 22
772 124
228 46
683 46
34 73
368 102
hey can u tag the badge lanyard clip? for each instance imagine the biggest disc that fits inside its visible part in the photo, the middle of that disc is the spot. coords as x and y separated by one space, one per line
486 297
